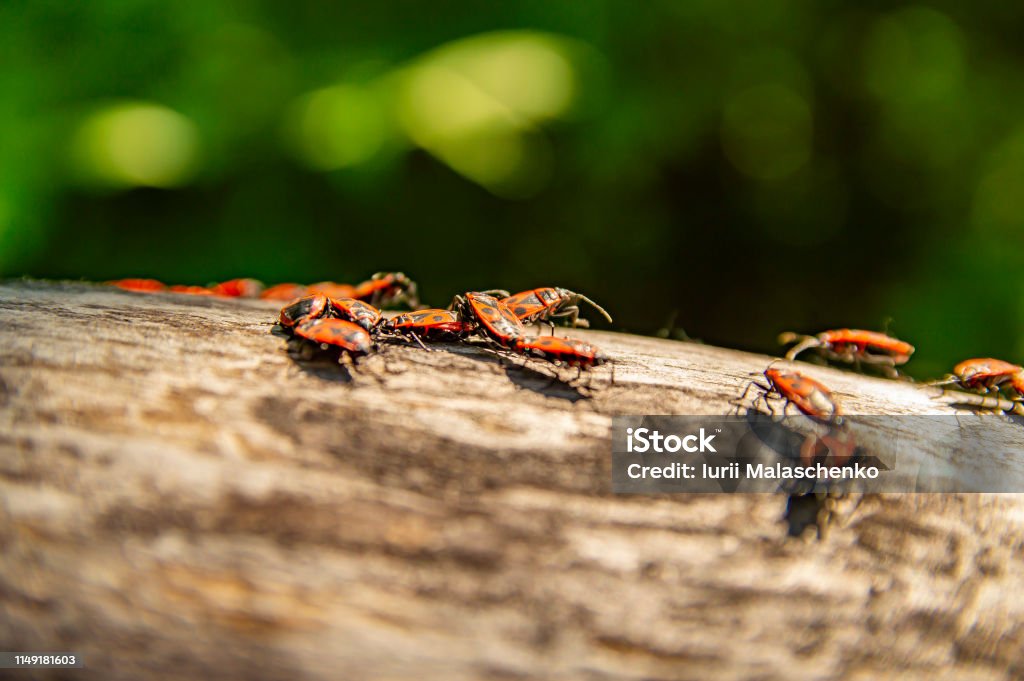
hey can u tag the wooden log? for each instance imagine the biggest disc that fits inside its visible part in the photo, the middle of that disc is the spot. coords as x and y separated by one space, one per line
181 499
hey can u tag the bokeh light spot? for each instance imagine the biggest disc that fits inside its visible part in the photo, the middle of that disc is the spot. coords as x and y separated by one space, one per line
766 131
915 67
477 104
914 54
999 202
136 144
441 105
530 73
340 126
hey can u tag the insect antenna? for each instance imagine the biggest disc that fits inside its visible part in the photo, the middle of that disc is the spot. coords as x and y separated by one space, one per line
949 379
595 306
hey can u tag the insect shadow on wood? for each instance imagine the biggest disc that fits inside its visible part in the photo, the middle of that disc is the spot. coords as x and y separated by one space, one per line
531 374
328 365
548 384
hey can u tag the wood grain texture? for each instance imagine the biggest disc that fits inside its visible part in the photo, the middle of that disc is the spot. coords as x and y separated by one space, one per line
180 499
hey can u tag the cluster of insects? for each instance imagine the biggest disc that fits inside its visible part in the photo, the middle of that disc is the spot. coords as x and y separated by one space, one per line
830 439
384 288
984 383
497 319
347 319
827 438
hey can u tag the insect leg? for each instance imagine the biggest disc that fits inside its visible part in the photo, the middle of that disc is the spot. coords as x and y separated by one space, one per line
806 342
417 339
571 313
458 304
948 379
885 363
976 400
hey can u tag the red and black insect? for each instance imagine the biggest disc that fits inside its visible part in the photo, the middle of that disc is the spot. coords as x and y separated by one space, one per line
238 288
816 401
139 285
854 346
388 288
568 352
284 292
350 339
490 316
986 375
303 309
549 304
806 394
561 351
356 311
431 325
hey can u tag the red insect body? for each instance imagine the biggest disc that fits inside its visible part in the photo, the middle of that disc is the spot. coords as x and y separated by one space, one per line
238 288
285 292
867 341
331 289
303 309
190 290
837 446
430 324
356 311
493 317
530 305
851 345
139 285
337 333
568 351
809 396
987 373
387 288
545 304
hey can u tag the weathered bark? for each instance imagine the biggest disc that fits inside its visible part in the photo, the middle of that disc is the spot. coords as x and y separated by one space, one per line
180 499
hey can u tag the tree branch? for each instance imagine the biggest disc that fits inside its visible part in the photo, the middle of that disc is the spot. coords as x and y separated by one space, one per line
179 498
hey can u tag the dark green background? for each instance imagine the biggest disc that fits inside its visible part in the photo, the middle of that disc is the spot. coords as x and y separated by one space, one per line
743 167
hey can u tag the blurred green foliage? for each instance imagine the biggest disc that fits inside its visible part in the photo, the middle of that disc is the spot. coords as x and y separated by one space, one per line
741 167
